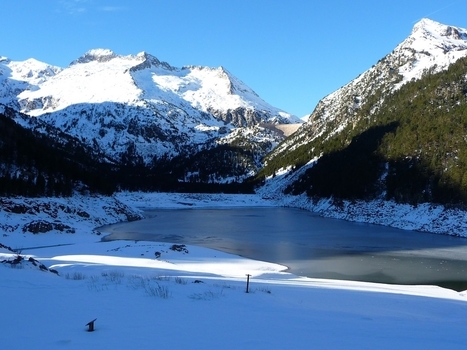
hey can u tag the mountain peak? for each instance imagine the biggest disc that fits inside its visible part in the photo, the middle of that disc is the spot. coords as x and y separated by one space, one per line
432 29
98 55
426 24
149 60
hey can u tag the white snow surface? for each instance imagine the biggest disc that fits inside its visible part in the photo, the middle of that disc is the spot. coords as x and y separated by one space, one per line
143 302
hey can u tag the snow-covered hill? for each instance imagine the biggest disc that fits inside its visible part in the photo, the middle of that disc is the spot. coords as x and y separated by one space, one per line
430 48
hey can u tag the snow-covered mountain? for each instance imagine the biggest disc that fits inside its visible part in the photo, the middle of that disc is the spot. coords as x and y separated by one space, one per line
16 77
431 47
102 76
139 109
138 105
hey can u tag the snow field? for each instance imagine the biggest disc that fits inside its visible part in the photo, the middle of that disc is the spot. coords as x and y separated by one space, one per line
141 301
146 305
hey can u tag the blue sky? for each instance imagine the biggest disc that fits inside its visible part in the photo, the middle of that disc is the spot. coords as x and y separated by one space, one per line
291 52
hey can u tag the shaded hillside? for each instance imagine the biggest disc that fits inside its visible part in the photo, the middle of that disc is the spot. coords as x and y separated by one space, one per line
33 164
352 172
412 149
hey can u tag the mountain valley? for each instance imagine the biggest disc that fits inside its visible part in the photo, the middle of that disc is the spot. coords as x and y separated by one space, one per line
396 132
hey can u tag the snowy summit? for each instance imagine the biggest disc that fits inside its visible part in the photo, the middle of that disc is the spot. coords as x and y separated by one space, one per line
431 44
430 47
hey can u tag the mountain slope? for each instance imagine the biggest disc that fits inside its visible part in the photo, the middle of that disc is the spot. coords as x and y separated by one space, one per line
34 164
102 76
16 77
403 138
139 110
430 48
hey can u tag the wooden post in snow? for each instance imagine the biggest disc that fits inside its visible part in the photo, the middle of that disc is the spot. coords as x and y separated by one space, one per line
247 282
90 324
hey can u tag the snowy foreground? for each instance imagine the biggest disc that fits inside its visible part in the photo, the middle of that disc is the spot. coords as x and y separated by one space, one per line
191 297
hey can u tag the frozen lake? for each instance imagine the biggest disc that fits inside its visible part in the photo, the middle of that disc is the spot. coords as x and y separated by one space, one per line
310 245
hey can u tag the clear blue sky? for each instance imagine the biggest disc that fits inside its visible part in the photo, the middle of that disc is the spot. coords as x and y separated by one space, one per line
291 52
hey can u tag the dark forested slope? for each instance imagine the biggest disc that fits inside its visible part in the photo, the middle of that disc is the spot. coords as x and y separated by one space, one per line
413 148
33 164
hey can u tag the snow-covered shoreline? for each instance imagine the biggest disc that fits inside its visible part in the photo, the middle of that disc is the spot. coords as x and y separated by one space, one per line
147 294
425 217
89 212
